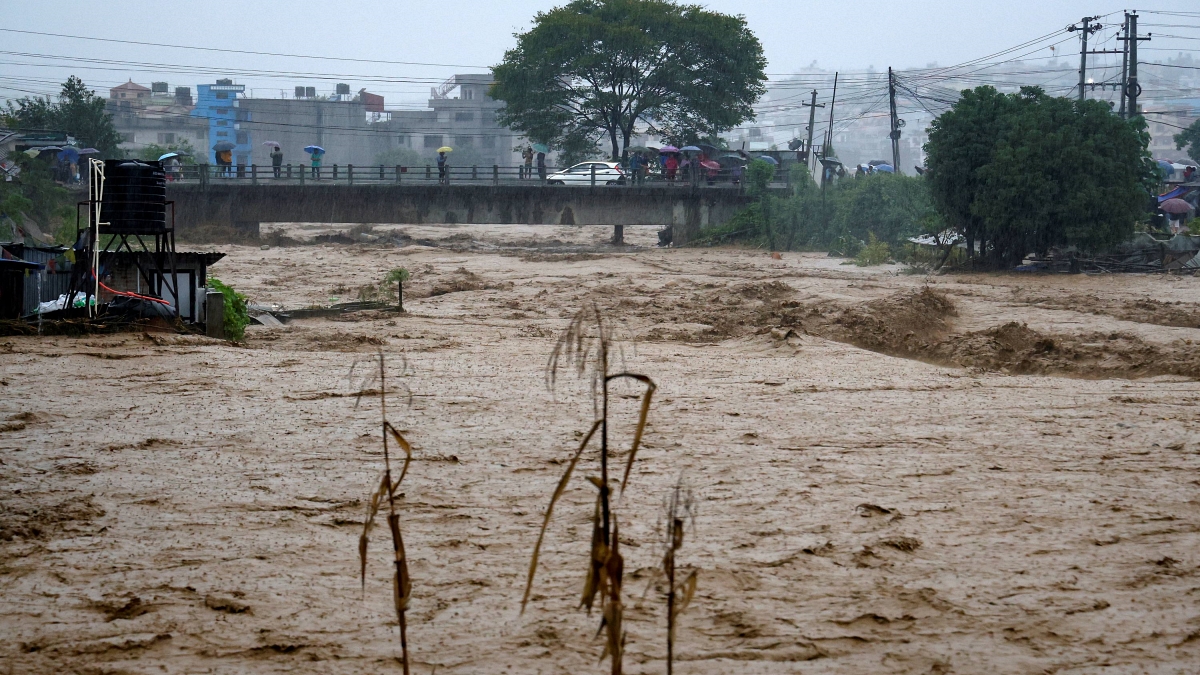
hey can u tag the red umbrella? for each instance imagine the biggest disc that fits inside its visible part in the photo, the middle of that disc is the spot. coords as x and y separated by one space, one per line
1175 206
709 164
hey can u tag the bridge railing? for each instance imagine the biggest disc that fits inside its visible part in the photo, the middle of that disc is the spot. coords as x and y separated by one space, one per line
349 174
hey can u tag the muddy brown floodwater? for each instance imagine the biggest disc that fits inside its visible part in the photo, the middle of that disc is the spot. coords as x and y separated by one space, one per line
893 473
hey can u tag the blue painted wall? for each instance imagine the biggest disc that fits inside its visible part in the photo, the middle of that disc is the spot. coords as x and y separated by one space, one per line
219 105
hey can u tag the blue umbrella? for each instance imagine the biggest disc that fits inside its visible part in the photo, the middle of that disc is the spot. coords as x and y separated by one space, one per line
690 148
1167 167
769 159
69 154
169 155
315 149
541 147
886 168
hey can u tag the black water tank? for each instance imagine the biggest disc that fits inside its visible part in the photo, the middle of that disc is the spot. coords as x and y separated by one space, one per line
135 197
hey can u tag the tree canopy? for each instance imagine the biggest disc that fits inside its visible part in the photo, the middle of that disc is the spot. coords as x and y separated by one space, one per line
1021 173
78 112
608 68
1190 138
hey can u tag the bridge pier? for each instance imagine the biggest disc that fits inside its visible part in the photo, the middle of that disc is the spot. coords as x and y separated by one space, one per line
244 206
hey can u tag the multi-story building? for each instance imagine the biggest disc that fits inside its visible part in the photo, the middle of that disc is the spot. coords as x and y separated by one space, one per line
219 105
466 122
152 116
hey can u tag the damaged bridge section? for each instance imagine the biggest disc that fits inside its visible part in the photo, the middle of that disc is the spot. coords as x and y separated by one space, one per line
245 207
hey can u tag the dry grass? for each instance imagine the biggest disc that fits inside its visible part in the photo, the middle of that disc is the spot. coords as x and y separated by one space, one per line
585 345
387 488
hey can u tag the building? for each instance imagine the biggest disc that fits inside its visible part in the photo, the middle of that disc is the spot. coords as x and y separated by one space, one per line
154 116
466 122
340 127
219 105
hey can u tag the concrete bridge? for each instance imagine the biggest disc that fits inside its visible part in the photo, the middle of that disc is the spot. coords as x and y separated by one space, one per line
244 206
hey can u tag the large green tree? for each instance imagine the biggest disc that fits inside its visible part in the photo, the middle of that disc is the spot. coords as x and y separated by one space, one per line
1022 173
78 112
1190 139
596 69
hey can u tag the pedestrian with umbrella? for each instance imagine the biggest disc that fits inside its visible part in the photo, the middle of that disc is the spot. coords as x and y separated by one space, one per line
224 157
317 153
541 149
1177 210
527 166
276 157
443 168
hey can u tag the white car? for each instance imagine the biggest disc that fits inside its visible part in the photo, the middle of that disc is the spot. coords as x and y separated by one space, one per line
607 173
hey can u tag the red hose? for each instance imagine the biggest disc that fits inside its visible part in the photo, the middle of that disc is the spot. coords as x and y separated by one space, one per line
133 295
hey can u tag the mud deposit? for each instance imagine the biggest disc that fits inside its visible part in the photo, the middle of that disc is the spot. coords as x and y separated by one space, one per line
893 474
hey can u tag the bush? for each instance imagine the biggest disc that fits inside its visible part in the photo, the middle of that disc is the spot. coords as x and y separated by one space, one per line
236 316
874 253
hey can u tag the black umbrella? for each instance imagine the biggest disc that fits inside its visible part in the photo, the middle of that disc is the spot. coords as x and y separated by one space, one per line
223 146
731 160
709 150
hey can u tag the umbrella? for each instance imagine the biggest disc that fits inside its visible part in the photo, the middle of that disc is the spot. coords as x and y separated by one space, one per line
541 147
638 148
69 154
445 148
709 164
89 151
885 168
769 159
274 143
315 149
223 146
877 162
169 155
668 149
1175 206
690 148
33 152
710 150
731 160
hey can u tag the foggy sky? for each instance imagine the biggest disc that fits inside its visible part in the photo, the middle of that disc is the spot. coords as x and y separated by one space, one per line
470 35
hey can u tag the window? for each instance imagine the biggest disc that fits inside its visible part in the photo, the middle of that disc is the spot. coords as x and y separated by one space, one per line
243 138
126 138
222 123
488 142
166 139
464 117
433 141
465 141
404 141
222 111
755 132
201 134
222 94
222 134
122 94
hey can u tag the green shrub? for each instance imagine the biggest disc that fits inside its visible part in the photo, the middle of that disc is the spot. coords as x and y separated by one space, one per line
236 316
876 252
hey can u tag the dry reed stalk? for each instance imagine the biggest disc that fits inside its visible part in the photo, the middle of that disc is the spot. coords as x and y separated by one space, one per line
403 583
679 510
585 345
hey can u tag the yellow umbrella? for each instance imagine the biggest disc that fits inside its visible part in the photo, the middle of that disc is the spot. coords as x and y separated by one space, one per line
445 148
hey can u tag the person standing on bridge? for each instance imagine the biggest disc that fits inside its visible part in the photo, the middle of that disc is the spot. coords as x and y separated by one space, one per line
527 168
541 164
316 164
276 160
442 175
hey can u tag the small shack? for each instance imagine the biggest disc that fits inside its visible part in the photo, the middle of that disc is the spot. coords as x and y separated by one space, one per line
31 275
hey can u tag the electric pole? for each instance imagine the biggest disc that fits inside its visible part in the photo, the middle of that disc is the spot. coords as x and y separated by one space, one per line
828 135
1132 88
1087 30
895 133
1124 63
812 122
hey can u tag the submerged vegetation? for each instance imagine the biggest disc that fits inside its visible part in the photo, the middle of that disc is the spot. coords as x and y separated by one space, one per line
841 219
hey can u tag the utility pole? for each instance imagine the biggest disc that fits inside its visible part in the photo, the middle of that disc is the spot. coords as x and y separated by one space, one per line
1124 63
812 122
1087 30
895 134
828 136
1132 88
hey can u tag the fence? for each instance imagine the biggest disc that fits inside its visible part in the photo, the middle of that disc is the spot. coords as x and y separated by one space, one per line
596 175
